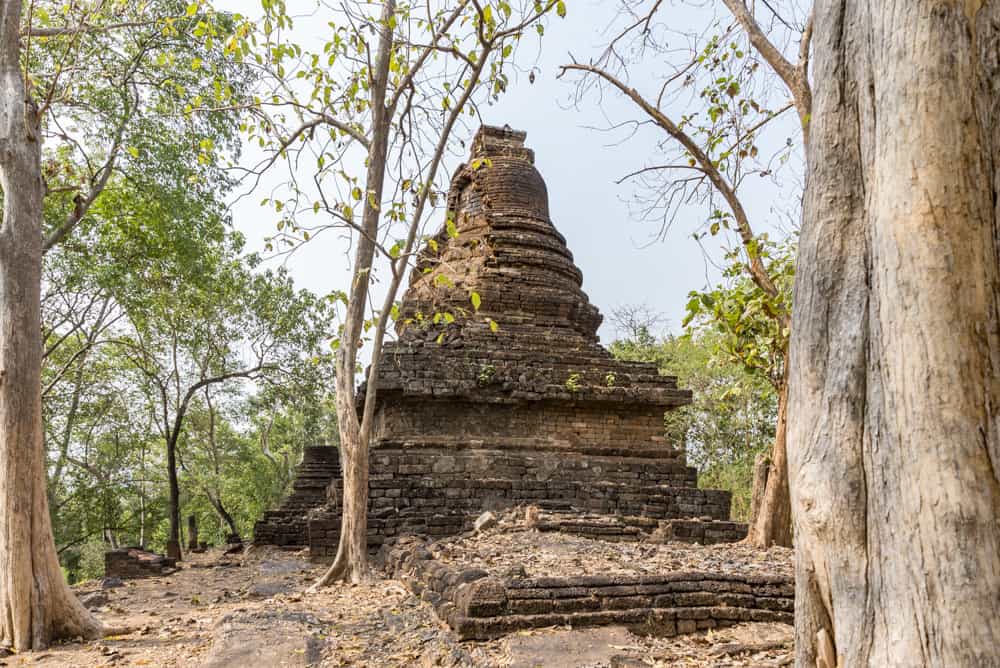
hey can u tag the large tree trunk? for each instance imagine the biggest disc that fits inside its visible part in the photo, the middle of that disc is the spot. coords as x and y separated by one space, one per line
894 449
771 506
36 604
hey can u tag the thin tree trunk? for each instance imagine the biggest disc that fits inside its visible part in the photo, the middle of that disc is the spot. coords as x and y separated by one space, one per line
226 517
174 503
894 449
771 509
110 538
351 562
761 467
192 533
67 435
216 498
142 496
36 604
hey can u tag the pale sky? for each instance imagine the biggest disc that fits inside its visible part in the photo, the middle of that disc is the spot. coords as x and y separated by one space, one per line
621 260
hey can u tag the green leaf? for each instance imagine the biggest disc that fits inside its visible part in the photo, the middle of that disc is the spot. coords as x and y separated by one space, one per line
561 9
476 300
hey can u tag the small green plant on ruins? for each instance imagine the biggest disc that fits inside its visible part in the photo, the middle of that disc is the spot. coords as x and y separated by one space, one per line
573 383
487 374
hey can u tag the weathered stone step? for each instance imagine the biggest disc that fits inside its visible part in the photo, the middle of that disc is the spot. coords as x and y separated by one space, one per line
479 606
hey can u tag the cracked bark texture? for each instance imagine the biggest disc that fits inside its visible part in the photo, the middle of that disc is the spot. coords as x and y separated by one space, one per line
893 443
36 604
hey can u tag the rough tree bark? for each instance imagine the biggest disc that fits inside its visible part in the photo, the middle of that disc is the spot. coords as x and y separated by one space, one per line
894 448
761 468
36 604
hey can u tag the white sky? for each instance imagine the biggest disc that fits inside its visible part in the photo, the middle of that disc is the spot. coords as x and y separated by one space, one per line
620 260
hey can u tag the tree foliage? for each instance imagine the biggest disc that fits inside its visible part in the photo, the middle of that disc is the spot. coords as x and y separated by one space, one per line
746 319
148 292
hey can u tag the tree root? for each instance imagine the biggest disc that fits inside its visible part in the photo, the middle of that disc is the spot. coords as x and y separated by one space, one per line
108 631
338 569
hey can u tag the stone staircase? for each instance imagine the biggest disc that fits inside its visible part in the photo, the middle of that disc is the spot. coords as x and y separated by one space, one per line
285 526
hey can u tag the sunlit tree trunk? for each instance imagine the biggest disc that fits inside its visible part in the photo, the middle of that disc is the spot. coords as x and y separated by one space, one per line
36 604
771 506
894 449
351 562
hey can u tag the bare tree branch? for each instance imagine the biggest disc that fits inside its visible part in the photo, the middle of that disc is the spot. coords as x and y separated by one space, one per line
795 76
83 28
757 270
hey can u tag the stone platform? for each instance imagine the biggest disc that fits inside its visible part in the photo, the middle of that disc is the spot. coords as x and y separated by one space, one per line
479 605
704 530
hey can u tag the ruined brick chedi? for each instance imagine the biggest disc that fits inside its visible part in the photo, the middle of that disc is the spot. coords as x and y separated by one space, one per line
497 392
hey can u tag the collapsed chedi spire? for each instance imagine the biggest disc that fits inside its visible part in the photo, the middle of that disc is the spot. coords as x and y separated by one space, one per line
507 248
531 410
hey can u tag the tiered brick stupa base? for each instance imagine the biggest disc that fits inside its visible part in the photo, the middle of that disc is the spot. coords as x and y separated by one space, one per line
286 526
497 392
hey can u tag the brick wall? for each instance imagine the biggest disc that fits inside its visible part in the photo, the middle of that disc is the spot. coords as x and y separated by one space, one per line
440 491
134 562
611 429
286 525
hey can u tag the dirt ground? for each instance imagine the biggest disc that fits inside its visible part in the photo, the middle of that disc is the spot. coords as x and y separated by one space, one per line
253 611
